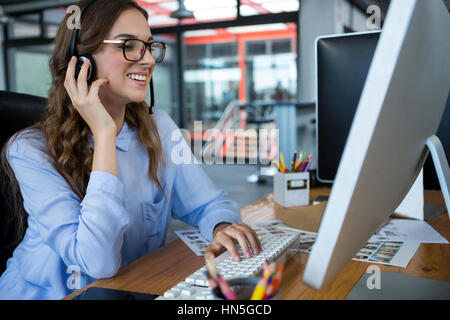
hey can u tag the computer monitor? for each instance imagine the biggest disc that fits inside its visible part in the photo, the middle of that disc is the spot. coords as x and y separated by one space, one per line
401 106
342 64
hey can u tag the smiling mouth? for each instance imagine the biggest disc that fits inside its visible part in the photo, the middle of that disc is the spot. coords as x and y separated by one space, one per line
137 77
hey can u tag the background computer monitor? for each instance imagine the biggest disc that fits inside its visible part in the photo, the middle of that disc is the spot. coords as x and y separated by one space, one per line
342 64
401 106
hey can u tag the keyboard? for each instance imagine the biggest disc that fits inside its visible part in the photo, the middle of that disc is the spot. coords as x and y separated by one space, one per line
274 244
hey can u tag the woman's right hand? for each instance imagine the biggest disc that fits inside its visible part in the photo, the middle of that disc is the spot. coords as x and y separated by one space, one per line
86 100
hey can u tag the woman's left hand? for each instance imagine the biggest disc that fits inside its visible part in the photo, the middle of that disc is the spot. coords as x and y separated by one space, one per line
226 234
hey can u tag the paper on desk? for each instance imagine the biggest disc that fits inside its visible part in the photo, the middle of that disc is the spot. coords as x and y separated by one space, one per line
194 240
412 204
305 217
408 230
392 253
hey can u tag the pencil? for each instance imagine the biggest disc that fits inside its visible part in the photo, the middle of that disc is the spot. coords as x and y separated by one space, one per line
226 289
307 166
277 280
260 287
296 164
271 268
282 161
211 268
302 168
214 286
278 165
269 290
300 165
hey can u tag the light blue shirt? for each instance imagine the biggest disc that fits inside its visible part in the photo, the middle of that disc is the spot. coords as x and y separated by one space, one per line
70 243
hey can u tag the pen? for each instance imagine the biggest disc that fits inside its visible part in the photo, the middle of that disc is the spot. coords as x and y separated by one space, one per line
294 161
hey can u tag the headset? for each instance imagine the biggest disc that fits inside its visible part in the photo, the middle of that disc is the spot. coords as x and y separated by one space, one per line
92 67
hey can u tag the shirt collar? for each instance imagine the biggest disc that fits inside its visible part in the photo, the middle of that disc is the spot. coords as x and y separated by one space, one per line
123 139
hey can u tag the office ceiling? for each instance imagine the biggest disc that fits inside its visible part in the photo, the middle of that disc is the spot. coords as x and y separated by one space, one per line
361 4
383 4
6 2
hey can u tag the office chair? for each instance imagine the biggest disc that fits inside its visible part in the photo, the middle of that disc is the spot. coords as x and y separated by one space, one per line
17 111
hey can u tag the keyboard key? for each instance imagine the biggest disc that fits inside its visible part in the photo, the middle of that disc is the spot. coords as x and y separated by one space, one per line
192 278
172 293
202 282
188 291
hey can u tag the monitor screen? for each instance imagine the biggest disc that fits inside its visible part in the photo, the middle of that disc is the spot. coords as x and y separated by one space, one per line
343 62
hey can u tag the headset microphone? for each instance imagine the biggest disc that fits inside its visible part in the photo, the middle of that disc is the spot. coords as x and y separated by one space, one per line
152 97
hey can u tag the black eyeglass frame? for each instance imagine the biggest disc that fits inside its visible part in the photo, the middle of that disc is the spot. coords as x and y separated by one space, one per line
148 45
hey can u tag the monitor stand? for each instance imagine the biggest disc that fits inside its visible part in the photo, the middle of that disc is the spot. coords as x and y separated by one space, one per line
441 166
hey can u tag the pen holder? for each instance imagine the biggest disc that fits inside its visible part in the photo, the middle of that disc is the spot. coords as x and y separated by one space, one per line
291 189
243 288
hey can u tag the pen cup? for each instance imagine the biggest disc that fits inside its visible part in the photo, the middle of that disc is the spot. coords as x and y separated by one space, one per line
291 189
243 288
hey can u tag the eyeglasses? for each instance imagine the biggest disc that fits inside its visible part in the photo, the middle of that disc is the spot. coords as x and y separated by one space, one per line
134 49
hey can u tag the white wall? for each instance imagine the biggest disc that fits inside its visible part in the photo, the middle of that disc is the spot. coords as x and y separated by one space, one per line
321 18
318 18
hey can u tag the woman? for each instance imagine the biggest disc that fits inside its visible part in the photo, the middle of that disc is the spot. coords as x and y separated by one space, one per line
98 191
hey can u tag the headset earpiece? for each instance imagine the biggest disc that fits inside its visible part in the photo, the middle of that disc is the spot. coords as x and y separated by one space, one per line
92 68
81 58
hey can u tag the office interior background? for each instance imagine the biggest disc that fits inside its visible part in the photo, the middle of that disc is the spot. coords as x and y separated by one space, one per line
231 63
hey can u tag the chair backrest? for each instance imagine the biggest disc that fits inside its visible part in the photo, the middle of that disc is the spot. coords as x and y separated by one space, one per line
17 111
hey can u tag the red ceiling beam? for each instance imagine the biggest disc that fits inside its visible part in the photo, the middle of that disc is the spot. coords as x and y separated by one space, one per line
256 6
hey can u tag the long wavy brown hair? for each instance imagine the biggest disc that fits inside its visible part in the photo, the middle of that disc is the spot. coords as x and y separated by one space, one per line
67 135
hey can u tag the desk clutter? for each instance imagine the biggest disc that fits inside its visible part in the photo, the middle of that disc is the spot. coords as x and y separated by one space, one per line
300 164
392 253
394 244
262 288
291 185
275 244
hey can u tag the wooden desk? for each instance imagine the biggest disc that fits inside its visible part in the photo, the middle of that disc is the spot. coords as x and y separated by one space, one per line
163 268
